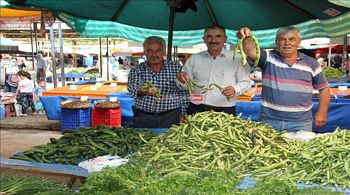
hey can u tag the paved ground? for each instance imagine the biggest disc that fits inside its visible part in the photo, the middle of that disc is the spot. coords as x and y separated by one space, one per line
22 133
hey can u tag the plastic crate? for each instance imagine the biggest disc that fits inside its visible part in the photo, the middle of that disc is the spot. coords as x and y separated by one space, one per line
73 119
107 117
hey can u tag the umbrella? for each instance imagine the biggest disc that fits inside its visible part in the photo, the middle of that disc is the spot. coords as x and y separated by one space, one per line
184 15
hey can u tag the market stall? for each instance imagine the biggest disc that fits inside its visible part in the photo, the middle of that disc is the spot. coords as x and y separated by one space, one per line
210 149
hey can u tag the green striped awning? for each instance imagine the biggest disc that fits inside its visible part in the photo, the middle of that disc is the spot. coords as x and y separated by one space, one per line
329 28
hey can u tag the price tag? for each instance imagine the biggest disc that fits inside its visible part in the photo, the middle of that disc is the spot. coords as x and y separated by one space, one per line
342 88
197 98
113 84
98 79
113 99
84 98
73 87
93 87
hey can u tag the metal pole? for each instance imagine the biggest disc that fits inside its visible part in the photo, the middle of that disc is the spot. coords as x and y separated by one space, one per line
63 77
100 57
329 55
170 32
53 57
36 36
107 60
31 43
345 51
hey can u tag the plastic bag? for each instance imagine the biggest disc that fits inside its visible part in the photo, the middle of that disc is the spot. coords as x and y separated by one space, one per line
98 163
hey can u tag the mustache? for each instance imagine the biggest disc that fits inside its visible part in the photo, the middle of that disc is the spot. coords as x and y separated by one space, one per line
213 43
154 58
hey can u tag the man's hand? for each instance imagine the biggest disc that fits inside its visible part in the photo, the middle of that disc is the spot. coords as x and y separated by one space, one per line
320 119
243 31
182 118
182 77
229 92
142 91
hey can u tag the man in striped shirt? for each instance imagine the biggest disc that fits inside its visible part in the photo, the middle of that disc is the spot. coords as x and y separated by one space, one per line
289 78
151 110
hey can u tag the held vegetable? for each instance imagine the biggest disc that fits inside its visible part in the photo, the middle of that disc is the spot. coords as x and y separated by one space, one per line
240 47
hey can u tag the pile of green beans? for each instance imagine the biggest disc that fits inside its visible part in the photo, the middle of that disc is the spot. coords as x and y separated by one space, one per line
215 140
324 160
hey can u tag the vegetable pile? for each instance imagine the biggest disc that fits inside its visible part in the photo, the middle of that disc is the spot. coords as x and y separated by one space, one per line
28 185
137 177
324 160
332 73
213 140
87 143
210 141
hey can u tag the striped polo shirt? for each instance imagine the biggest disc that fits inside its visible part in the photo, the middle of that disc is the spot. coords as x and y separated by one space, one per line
287 90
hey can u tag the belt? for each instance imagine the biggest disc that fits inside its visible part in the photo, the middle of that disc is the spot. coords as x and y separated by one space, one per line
156 114
207 107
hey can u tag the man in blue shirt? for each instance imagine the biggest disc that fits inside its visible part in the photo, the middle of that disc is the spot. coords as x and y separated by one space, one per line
151 110
288 80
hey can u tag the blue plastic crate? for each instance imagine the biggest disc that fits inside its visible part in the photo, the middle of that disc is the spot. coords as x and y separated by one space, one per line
73 119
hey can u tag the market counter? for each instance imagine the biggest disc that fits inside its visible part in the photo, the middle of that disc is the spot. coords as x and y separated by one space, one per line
338 114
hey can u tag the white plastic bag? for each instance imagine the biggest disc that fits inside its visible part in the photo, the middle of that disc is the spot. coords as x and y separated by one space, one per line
98 163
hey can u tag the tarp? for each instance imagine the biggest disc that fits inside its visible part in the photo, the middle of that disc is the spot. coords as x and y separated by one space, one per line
135 20
330 28
194 15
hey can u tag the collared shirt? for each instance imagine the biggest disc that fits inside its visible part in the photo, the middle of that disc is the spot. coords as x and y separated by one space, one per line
287 89
41 63
223 70
171 96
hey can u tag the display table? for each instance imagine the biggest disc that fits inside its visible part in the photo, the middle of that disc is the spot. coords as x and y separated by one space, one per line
338 114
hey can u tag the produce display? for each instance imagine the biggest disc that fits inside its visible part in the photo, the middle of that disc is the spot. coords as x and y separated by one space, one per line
216 140
28 185
332 73
87 143
210 153
92 73
137 178
211 140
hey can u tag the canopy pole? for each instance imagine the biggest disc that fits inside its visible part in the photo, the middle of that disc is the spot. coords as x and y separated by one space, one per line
170 32
36 36
107 53
100 57
63 77
31 43
345 51
53 57
329 55
211 12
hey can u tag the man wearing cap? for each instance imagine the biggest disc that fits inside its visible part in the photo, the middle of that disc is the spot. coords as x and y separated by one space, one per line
41 67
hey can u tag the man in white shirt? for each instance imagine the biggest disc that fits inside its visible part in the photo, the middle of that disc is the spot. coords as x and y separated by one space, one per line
215 66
